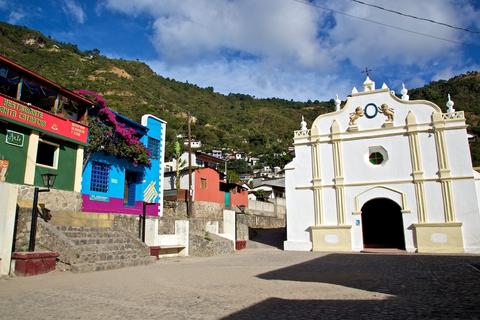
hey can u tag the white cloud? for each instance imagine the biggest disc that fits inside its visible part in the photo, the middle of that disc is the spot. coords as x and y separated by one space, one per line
15 16
256 79
283 47
365 43
451 71
275 30
75 10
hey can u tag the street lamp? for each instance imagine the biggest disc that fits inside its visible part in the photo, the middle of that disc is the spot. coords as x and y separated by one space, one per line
48 181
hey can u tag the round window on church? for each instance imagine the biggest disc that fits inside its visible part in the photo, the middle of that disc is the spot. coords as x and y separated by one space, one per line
376 158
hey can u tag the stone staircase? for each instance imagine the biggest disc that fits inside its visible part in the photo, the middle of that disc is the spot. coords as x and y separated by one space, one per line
88 249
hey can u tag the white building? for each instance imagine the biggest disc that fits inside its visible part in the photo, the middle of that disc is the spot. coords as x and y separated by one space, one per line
383 172
217 154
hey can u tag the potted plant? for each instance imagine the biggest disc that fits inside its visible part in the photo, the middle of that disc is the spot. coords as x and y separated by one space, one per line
3 169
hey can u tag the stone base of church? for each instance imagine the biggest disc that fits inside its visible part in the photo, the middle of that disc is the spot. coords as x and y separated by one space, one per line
331 238
438 237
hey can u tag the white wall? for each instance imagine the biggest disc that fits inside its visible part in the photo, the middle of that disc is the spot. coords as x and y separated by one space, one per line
395 173
8 201
298 173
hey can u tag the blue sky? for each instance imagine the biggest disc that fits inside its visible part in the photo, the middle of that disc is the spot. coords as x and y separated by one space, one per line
268 48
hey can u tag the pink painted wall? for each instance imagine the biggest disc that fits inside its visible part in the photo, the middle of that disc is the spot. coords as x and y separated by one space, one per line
115 205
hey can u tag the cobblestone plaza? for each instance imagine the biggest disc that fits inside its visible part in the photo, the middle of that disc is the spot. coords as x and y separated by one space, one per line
257 284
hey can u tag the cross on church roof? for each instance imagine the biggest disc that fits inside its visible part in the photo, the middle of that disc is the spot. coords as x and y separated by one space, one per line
367 71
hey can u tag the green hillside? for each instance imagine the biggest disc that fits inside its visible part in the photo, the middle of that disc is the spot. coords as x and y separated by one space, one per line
237 121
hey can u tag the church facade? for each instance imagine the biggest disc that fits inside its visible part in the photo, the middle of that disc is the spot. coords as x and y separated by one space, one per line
383 172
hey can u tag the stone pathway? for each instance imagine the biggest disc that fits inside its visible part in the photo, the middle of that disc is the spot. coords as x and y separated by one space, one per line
257 284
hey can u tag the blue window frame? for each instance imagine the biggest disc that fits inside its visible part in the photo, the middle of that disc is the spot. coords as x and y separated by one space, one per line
100 176
154 148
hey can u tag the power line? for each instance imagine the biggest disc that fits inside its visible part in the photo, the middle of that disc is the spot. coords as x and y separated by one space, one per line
376 22
415 17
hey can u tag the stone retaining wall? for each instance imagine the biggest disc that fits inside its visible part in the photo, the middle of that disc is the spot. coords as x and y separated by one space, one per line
203 212
246 221
47 238
207 244
128 223
55 200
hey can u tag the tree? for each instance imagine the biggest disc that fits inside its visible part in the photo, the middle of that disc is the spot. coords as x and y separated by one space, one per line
179 163
239 166
232 177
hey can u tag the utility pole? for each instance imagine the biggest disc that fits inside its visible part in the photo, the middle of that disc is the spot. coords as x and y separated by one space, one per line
226 170
189 204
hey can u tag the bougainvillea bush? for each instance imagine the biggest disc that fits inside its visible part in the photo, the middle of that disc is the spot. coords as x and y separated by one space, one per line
112 137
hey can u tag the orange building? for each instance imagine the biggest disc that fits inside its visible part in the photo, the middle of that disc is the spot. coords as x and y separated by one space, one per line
209 187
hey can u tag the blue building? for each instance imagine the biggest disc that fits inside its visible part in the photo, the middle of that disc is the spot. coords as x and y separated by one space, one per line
115 185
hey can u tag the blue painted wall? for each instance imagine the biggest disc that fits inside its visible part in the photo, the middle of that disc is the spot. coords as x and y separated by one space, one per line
153 174
148 188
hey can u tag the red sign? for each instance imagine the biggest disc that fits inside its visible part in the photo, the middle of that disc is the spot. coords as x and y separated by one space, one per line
42 120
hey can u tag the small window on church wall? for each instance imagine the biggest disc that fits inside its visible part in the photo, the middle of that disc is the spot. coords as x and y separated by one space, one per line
375 158
377 155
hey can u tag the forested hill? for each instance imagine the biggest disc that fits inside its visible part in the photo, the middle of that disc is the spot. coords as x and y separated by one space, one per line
236 121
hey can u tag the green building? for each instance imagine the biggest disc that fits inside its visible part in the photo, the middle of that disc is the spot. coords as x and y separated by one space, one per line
42 129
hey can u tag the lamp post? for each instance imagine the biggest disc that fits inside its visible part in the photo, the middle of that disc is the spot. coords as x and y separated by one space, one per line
48 181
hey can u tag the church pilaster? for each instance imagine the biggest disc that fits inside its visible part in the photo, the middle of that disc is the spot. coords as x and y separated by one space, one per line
317 180
443 166
338 171
417 170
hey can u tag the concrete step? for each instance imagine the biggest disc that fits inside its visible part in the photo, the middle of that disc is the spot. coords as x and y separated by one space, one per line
94 234
92 257
111 264
101 241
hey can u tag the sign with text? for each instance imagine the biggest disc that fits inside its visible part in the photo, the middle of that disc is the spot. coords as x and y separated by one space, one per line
94 197
44 121
15 138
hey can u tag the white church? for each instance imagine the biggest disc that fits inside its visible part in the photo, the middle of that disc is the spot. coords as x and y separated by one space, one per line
383 172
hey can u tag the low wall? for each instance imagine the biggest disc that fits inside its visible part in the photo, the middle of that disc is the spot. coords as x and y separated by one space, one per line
8 201
273 208
207 244
246 221
202 214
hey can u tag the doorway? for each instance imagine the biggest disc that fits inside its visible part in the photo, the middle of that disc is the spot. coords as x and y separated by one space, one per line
382 224
130 186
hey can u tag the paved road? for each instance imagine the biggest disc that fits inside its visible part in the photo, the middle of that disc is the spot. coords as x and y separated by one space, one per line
257 284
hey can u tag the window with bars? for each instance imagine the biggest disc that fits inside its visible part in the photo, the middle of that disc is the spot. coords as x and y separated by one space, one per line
100 176
154 148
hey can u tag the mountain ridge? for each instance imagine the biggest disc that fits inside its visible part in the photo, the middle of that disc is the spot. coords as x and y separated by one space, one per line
235 121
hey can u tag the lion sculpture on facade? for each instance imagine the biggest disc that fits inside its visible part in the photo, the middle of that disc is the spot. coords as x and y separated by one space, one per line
387 111
354 116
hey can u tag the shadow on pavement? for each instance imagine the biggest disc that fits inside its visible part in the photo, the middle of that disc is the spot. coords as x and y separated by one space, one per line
421 286
276 308
273 237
